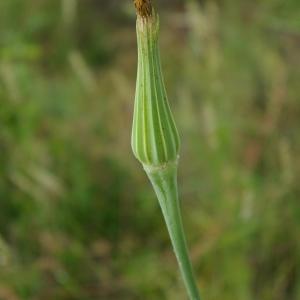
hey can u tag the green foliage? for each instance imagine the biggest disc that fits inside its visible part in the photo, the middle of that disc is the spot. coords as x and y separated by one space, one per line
78 220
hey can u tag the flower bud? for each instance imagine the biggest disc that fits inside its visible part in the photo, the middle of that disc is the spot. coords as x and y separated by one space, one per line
155 140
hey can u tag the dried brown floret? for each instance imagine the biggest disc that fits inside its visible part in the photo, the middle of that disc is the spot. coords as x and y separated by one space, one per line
143 7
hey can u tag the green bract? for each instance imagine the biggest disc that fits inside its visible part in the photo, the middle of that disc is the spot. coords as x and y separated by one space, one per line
155 140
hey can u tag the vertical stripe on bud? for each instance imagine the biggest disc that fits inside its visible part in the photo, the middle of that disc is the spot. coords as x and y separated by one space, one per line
155 140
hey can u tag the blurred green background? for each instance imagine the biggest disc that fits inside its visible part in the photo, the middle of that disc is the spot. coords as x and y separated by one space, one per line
78 218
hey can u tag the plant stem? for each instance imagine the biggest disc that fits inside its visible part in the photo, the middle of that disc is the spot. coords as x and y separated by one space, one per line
164 181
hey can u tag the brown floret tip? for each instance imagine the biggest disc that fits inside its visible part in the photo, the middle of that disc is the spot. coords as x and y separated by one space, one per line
143 8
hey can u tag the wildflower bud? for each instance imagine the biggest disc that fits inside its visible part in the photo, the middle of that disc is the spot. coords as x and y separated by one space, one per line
155 141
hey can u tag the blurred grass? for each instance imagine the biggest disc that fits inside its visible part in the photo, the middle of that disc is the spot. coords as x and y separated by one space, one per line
78 219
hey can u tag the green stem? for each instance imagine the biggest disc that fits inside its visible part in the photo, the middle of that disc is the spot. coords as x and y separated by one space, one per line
164 181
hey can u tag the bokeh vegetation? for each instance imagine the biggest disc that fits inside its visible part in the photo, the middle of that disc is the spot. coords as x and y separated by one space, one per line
78 219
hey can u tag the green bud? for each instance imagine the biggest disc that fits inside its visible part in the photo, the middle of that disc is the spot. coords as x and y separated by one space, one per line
155 140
